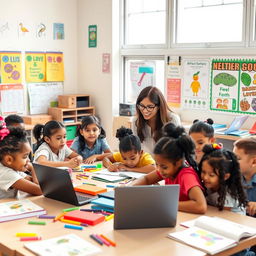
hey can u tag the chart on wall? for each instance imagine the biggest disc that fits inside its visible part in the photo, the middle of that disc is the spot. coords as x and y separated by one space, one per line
233 86
195 86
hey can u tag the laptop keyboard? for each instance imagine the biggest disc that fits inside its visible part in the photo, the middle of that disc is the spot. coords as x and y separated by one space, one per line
82 198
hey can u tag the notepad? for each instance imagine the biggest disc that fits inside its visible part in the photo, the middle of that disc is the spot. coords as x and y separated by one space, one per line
103 202
85 217
89 189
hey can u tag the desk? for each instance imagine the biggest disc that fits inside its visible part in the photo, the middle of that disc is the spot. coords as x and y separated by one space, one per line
142 242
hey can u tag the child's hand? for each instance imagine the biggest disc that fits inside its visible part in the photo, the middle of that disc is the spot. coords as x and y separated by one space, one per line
122 167
251 208
72 163
90 159
79 159
113 168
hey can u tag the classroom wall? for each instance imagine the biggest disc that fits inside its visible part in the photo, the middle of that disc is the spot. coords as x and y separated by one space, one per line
48 11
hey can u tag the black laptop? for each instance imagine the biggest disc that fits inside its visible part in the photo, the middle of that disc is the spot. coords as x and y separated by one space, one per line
56 184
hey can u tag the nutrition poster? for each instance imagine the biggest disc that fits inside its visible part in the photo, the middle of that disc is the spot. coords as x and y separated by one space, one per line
233 86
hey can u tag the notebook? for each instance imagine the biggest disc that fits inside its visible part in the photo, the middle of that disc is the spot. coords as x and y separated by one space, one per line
146 206
65 245
56 184
89 189
19 209
235 125
212 234
104 202
110 194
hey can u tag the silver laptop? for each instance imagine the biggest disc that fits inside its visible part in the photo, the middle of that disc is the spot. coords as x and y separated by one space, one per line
56 184
146 206
235 125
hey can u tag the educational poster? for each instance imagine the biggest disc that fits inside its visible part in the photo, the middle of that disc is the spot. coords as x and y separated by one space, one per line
42 96
58 31
247 92
173 87
224 92
195 86
142 74
35 67
92 36
10 67
12 99
106 63
41 30
54 67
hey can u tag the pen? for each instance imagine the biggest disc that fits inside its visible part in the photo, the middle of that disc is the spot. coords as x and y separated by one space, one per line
110 241
70 209
26 234
73 227
96 239
31 238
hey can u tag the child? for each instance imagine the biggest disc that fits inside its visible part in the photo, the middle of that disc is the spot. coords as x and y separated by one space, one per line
91 142
14 151
173 153
220 174
15 121
51 148
130 157
245 150
202 133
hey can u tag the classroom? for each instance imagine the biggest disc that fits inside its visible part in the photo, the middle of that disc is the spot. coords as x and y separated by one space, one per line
64 60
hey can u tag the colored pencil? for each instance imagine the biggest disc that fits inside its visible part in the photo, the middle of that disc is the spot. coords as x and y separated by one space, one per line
96 239
30 238
110 241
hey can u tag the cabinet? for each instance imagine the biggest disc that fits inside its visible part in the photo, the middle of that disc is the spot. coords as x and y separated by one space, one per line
73 101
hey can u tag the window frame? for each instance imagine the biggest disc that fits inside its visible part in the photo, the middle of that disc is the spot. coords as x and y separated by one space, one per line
252 22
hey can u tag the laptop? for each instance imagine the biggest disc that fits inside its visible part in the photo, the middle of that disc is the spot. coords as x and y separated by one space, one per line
146 206
235 125
56 184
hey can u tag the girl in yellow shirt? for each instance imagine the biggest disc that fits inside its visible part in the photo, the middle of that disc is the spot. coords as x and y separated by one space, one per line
130 157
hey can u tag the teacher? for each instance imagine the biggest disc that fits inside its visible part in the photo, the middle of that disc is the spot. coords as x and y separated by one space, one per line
152 113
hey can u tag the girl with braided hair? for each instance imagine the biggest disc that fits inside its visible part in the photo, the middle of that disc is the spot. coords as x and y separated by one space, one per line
130 156
220 174
14 152
173 154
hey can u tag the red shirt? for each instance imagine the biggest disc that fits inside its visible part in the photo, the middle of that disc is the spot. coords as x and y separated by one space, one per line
187 179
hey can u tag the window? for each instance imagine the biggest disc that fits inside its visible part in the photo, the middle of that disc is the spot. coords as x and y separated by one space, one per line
254 22
203 21
140 73
145 22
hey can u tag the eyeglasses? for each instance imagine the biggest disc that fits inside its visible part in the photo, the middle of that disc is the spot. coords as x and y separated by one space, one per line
149 108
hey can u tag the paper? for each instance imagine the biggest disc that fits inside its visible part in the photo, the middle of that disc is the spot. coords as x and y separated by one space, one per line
42 96
58 31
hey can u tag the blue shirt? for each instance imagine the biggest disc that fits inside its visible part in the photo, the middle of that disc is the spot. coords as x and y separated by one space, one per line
250 188
98 148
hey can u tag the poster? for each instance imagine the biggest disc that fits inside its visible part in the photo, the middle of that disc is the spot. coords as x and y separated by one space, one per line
106 63
35 67
10 66
195 88
54 67
12 99
92 36
58 31
42 96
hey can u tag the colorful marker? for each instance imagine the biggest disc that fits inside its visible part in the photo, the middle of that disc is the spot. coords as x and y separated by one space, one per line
103 240
26 234
73 227
110 186
89 183
59 216
110 241
46 217
37 222
70 221
111 216
32 238
70 209
96 239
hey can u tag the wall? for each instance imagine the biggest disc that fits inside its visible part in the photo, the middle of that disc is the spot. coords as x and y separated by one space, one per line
47 11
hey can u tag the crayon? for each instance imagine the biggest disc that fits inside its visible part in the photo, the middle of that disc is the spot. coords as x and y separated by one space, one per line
46 217
96 239
107 243
84 224
89 184
70 209
73 227
26 234
111 216
70 221
110 241
59 216
36 222
30 238
110 186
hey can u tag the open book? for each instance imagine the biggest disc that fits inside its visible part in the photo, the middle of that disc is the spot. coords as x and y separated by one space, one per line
212 234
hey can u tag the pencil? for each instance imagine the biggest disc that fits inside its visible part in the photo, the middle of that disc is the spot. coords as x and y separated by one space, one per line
96 239
110 241
30 238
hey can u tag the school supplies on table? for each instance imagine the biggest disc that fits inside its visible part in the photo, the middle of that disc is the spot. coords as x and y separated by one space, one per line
103 202
56 184
66 245
89 189
85 217
212 234
19 209
126 174
157 206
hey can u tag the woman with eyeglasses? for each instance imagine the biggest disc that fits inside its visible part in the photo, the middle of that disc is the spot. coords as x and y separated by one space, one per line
152 113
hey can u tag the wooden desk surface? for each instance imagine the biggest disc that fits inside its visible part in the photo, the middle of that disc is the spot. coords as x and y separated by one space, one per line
129 242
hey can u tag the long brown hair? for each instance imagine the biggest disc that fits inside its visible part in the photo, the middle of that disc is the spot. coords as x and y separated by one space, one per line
162 116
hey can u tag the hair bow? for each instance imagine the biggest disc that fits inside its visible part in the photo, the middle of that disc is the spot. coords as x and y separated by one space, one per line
3 130
216 146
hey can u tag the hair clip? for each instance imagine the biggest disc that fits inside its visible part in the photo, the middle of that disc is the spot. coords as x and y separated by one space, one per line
3 130
216 146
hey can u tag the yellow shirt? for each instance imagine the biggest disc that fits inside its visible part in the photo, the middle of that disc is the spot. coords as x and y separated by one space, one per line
145 159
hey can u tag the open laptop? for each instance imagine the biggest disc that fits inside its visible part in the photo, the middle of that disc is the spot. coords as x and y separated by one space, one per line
235 125
146 206
56 184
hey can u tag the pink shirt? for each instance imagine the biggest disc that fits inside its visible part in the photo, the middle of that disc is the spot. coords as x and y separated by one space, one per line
187 179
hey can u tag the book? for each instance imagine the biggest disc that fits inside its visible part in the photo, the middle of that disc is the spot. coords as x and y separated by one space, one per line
19 209
212 234
110 194
102 208
240 133
85 217
89 189
105 202
66 245
218 126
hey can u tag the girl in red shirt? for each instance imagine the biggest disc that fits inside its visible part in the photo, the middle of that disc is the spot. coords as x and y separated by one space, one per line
175 164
